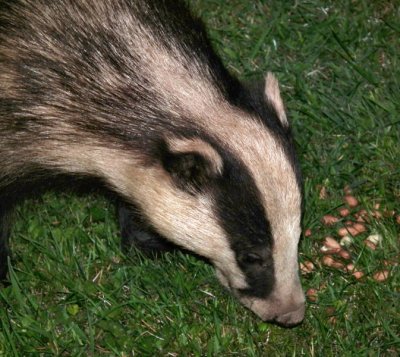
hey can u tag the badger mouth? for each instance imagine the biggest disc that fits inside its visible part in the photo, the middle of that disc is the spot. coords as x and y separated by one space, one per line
285 311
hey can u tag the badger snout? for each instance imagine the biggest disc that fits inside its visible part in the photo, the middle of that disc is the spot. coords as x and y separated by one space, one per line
293 317
283 314
286 312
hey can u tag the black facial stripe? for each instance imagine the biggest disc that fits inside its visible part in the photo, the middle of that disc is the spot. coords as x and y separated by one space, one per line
241 214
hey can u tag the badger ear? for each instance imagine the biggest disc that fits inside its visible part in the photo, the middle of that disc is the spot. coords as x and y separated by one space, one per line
273 97
191 163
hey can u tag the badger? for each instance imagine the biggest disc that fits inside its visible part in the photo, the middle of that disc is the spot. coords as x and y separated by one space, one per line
131 95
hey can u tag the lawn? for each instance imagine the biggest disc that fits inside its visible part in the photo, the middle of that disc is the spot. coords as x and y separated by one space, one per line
74 292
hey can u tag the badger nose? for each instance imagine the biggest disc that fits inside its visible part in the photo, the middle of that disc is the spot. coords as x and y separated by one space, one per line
285 311
292 317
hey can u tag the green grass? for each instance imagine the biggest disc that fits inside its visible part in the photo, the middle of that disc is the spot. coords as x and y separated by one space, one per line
74 293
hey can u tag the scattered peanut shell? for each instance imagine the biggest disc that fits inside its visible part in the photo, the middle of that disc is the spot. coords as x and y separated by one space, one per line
332 320
390 262
355 229
344 231
389 213
350 267
309 264
330 262
344 254
347 190
329 220
363 219
358 274
344 211
359 227
307 232
351 201
330 311
322 193
374 238
381 275
398 219
369 244
346 241
376 214
306 267
331 244
363 212
312 294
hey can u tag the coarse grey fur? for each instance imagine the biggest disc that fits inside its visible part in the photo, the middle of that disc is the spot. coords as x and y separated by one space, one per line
130 93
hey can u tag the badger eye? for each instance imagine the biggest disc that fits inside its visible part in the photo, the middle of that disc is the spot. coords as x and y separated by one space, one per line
252 258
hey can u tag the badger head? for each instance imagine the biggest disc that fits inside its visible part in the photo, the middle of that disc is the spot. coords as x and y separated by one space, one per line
231 192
